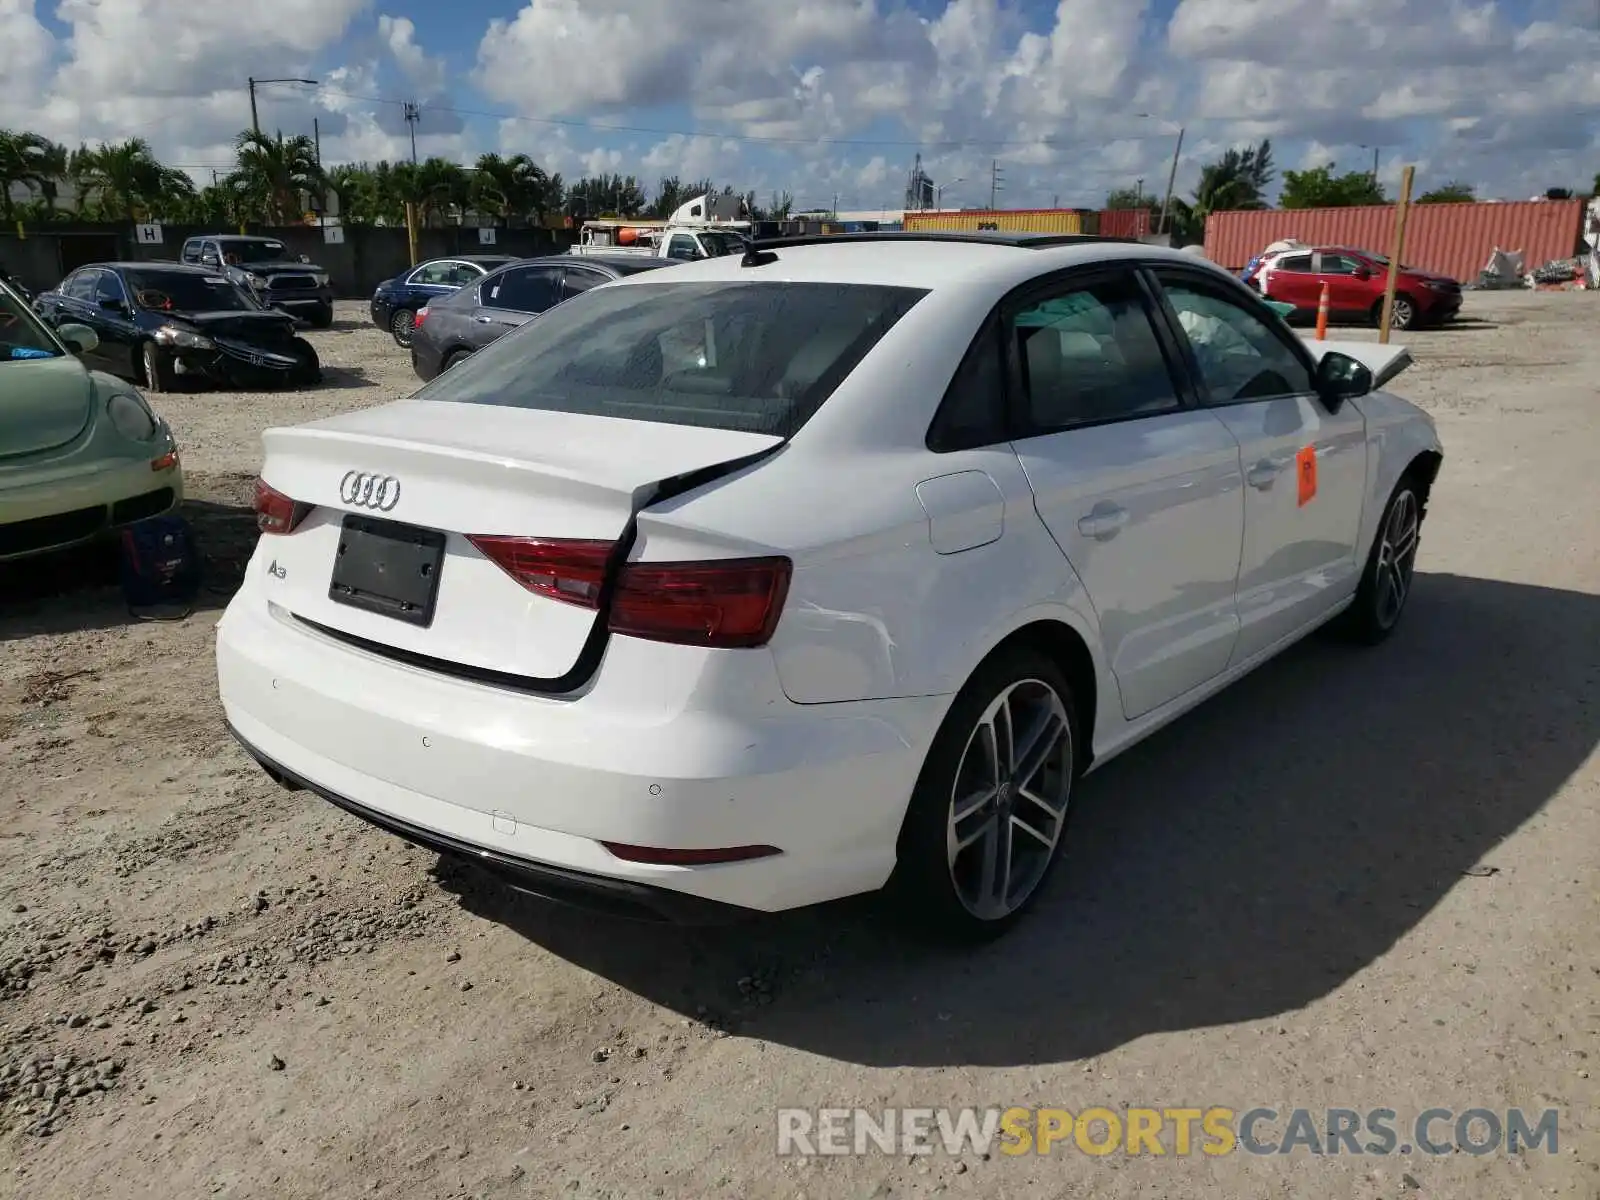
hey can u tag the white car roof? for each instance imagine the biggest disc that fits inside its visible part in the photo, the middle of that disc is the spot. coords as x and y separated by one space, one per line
912 262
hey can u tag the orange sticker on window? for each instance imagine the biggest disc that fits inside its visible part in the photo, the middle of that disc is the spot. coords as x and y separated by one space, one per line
1305 465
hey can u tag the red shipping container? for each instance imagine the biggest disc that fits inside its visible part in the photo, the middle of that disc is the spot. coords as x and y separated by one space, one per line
1450 239
1124 222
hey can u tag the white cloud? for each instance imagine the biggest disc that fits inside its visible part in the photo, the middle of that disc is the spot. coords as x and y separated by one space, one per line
25 50
426 74
1073 100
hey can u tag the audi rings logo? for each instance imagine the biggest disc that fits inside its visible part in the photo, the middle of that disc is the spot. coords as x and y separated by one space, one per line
378 492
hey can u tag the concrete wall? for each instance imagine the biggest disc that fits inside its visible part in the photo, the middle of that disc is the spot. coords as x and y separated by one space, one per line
366 257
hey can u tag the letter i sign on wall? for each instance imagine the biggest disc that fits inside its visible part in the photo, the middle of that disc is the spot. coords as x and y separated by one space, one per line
1305 467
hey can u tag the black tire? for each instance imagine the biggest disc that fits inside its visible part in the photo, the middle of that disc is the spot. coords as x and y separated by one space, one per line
1404 315
454 357
932 887
1391 563
156 368
401 322
309 372
322 316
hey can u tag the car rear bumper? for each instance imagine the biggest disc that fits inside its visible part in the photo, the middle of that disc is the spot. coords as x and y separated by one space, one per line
425 359
666 749
579 889
61 512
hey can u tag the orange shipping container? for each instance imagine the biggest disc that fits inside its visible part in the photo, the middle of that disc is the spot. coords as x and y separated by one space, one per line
1451 239
1124 222
1014 220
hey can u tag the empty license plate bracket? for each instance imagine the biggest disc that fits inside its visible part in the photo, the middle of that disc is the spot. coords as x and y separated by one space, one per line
388 568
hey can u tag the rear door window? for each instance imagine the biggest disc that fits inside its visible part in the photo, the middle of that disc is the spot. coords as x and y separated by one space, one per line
82 285
576 280
760 357
523 289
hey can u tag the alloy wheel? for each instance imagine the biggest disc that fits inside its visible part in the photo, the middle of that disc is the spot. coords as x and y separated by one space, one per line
1008 804
401 325
1397 558
1403 313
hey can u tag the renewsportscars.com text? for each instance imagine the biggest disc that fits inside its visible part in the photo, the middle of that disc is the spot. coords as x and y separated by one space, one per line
1180 1132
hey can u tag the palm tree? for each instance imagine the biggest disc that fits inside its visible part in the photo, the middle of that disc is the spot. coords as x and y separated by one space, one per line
275 174
23 160
126 180
53 166
434 186
1238 180
509 187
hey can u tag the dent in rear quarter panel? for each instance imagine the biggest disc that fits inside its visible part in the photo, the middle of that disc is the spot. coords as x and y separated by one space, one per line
874 611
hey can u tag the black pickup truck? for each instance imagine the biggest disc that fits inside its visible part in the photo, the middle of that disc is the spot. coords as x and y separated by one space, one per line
263 267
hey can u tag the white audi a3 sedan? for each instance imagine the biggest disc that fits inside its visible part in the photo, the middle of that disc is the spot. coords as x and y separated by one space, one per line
767 581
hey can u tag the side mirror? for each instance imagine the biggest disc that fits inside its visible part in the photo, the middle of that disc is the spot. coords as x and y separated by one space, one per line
113 306
305 258
1339 378
210 260
1363 273
80 339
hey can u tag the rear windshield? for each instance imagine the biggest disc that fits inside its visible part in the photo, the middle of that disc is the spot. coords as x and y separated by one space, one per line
757 357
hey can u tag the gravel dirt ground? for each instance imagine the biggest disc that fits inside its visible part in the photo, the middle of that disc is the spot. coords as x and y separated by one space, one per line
1360 878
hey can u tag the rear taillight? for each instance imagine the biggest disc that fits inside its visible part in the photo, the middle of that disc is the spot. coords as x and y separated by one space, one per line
275 512
419 318
724 603
560 568
729 602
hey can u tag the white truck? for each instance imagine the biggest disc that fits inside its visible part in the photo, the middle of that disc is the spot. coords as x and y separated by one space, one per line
696 230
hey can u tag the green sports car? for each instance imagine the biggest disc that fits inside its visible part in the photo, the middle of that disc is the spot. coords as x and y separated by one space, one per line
80 452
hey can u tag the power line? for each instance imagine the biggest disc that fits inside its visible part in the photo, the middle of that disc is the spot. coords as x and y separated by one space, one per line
655 131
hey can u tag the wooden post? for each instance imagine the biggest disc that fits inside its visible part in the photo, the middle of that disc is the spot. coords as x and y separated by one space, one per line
1396 250
1322 315
411 230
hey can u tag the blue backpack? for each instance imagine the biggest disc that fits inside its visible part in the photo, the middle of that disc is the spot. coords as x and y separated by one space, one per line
160 568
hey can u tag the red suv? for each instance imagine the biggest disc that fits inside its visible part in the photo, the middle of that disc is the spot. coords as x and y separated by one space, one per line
1356 280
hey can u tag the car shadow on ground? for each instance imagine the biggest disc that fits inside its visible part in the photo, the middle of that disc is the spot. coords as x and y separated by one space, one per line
336 378
1243 863
78 589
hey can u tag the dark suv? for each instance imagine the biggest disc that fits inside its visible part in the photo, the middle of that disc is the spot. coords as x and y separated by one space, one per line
263 267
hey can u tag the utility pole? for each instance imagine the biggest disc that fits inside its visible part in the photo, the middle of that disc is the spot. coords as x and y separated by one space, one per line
316 135
1172 182
1138 192
255 121
995 181
412 115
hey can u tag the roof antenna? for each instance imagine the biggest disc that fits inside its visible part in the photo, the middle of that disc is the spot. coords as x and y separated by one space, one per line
754 257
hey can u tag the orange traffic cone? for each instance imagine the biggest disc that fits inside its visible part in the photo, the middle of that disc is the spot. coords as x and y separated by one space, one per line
1322 315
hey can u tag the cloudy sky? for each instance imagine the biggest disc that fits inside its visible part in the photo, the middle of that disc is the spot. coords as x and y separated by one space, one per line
832 98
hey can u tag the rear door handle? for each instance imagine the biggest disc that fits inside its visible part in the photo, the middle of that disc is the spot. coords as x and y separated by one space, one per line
1104 523
1263 474
484 320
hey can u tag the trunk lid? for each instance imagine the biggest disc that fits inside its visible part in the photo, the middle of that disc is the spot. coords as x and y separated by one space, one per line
47 404
466 469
